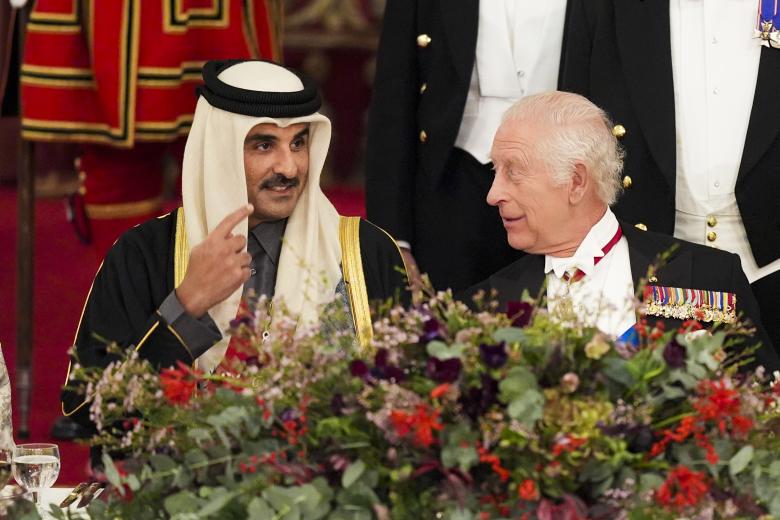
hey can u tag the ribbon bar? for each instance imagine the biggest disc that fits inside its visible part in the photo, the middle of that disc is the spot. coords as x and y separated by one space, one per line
685 304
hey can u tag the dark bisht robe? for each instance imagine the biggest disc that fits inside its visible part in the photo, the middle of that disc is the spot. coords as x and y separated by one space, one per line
140 271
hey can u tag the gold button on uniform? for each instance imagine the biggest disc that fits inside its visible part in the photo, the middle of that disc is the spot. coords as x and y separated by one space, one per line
627 182
423 40
712 221
652 279
423 88
618 131
641 227
423 136
711 236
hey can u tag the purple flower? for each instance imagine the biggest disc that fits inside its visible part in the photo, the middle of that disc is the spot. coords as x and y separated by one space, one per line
443 370
380 359
289 414
675 354
244 319
640 438
358 368
493 356
392 373
432 330
477 400
337 405
383 369
253 361
520 313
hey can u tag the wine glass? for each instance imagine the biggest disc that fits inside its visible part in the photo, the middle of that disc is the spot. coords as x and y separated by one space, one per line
36 467
5 467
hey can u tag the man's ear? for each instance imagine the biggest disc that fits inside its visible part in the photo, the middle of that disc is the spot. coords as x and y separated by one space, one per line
579 183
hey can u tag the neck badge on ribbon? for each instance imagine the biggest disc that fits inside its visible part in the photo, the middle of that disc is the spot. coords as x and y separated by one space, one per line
767 24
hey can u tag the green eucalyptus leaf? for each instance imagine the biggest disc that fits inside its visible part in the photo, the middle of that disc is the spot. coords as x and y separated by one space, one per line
440 350
671 392
740 460
774 506
352 473
216 503
259 509
199 435
460 514
527 408
182 502
283 501
111 473
517 382
595 471
616 369
509 335
649 482
162 462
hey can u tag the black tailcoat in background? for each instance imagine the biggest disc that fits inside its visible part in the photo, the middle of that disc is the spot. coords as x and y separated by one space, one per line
429 193
618 54
690 266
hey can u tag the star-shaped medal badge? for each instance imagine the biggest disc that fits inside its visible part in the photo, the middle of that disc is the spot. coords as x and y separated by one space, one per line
768 35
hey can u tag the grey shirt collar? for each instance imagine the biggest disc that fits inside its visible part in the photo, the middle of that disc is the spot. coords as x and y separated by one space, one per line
267 235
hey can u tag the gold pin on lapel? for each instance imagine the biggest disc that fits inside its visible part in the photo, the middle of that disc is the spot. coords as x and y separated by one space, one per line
423 40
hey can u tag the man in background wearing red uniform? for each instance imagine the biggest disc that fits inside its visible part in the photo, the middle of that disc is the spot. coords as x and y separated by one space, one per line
120 78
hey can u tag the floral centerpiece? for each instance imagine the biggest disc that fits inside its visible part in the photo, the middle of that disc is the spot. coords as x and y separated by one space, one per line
453 413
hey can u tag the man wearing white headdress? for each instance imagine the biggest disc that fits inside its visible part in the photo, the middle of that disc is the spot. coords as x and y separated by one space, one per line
254 217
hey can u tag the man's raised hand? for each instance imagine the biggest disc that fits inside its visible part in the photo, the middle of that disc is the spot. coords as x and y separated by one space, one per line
218 266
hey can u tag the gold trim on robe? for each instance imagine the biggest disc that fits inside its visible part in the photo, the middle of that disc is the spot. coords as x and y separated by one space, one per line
355 281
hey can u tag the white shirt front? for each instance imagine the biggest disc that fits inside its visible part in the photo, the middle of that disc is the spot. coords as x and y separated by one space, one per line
518 54
604 297
715 59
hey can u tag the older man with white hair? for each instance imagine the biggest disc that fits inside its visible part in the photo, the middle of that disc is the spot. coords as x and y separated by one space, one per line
558 171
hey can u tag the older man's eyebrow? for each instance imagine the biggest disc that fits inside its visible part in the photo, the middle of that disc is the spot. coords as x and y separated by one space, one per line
302 133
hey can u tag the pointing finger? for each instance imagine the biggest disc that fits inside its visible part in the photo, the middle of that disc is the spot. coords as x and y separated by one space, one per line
225 227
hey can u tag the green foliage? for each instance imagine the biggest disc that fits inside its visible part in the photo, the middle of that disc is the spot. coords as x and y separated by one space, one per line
486 419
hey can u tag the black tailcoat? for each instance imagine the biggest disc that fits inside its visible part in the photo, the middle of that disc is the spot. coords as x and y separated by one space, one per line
422 189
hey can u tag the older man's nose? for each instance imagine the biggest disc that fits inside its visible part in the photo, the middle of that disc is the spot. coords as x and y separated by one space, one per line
494 196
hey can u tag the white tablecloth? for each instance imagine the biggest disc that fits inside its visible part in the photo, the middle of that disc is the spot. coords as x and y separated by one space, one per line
56 495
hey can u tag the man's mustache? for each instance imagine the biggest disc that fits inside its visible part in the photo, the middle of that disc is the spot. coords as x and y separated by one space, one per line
279 181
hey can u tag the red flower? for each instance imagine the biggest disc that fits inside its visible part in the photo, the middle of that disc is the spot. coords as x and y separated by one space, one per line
527 490
689 326
423 423
682 488
568 443
722 405
495 463
178 384
440 390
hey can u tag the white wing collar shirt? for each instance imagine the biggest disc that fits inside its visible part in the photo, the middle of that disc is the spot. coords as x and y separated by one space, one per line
604 296
518 54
